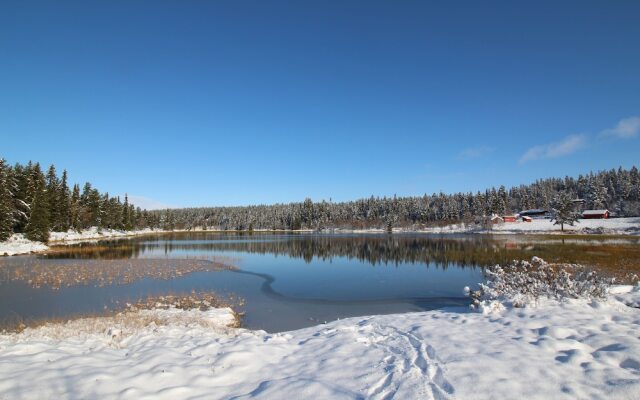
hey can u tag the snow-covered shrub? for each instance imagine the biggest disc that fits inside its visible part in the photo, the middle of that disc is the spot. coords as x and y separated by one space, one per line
521 283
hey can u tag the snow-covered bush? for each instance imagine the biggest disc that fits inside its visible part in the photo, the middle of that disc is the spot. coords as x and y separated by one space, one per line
521 283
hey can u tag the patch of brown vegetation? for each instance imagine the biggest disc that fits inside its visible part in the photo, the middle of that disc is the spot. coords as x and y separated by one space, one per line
57 274
202 301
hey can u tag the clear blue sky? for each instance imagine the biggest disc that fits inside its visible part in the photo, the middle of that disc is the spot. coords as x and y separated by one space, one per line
242 102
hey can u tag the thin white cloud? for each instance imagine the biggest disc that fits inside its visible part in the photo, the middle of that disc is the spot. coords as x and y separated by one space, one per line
146 203
475 152
626 128
567 146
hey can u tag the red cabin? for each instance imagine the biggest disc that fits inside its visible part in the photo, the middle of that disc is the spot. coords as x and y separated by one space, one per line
595 214
509 218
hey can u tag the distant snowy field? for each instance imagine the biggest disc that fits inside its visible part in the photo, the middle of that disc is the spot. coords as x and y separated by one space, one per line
613 226
575 349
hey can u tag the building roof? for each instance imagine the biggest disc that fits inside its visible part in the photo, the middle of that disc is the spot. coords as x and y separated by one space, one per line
594 212
533 212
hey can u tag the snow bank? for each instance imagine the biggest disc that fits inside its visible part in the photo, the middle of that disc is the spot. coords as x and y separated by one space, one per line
18 244
626 294
95 234
568 350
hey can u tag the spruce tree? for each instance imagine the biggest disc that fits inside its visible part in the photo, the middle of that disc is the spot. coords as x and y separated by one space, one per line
132 217
106 206
597 194
126 214
20 181
6 202
52 197
138 221
35 179
563 208
64 204
502 200
38 226
497 203
75 208
95 209
112 213
90 210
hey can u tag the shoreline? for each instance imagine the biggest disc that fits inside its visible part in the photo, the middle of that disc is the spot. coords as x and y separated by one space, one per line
620 227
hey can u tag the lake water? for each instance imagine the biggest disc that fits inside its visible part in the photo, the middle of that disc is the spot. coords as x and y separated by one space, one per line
285 281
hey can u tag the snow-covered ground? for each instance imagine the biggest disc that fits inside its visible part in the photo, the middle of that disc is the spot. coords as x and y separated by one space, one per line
95 234
18 244
543 226
575 349
605 226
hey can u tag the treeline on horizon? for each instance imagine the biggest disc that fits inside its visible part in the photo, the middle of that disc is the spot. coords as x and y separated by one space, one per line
35 203
617 190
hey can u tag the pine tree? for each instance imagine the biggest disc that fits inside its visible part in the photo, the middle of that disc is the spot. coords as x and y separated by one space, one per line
634 178
94 209
390 220
132 217
112 212
75 208
306 213
90 210
35 177
108 217
6 202
64 205
169 223
140 221
497 201
126 214
38 226
563 208
21 211
52 189
503 200
582 187
597 194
